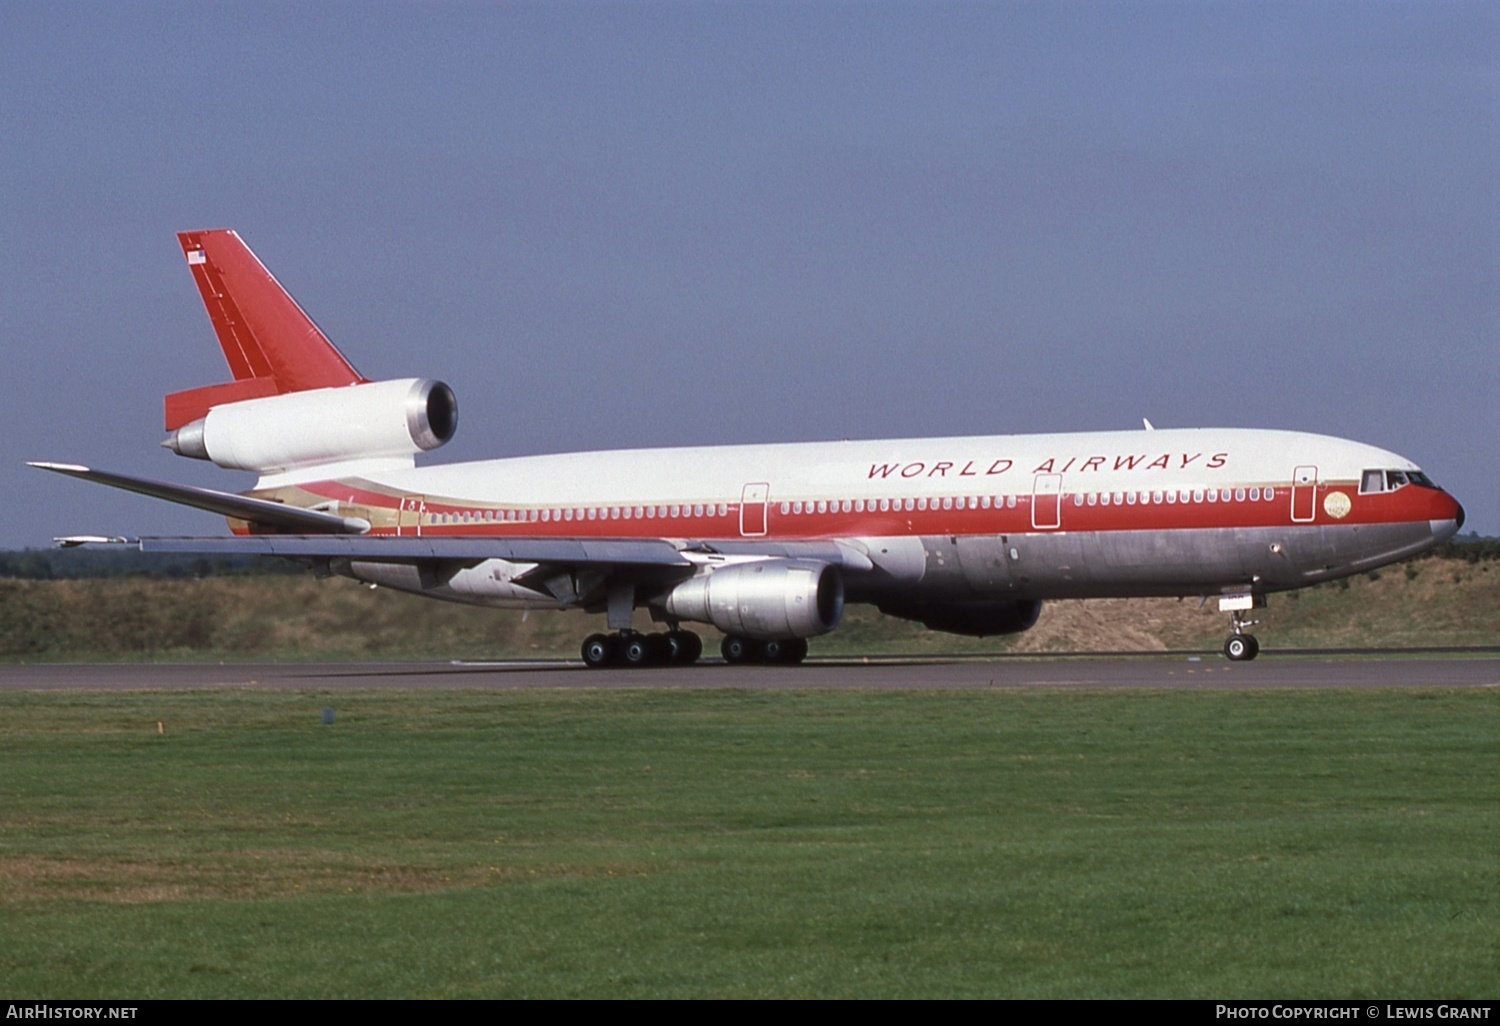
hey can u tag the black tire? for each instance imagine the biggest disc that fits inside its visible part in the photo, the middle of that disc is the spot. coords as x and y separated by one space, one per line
1241 648
685 647
663 651
598 651
795 651
635 651
737 650
773 651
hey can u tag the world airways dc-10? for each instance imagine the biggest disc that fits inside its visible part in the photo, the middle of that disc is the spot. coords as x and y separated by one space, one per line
765 542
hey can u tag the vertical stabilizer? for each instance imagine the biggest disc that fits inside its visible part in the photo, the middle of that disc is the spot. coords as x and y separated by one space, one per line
271 345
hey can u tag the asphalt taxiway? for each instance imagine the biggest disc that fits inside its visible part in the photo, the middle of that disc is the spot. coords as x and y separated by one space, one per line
1177 672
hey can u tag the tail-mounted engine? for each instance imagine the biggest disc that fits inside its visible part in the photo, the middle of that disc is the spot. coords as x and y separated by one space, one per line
376 420
772 599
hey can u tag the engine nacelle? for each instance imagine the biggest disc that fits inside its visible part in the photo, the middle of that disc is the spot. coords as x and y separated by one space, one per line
976 619
379 419
767 599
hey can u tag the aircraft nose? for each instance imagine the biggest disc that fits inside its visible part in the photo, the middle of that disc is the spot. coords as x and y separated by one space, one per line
1450 525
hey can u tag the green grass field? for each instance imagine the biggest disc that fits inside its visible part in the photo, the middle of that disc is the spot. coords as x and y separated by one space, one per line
724 843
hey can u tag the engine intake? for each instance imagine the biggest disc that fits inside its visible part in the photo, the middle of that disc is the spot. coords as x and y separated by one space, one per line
772 599
380 419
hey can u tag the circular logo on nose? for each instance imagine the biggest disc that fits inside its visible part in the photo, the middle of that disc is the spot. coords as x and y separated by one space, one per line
1337 505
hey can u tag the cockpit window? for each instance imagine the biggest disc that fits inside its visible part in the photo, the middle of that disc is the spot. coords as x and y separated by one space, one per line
1373 481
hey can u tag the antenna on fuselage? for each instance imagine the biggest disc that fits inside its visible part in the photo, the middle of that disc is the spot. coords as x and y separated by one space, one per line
1149 426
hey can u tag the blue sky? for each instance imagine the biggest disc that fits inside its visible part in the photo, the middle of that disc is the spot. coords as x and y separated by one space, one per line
650 224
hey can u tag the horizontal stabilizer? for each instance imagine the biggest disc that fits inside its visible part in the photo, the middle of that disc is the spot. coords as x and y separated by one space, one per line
262 512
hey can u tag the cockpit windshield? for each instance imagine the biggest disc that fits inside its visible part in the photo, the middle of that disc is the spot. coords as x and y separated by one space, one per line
1374 481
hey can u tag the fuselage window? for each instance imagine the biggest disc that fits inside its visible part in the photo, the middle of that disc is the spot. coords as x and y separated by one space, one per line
1130 498
908 505
1156 497
1239 495
786 507
1010 502
984 502
947 502
1394 479
1255 495
1198 496
1372 481
922 504
845 506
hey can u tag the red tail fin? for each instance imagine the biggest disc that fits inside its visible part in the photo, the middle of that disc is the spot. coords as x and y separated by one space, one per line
271 345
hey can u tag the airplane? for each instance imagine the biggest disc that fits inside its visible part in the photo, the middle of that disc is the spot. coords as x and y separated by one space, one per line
766 543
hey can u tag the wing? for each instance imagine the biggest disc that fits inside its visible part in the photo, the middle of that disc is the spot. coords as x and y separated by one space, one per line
262 512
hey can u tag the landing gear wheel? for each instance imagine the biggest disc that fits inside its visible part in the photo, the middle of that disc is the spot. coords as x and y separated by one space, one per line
661 649
737 650
785 651
636 650
1241 648
794 651
684 648
598 651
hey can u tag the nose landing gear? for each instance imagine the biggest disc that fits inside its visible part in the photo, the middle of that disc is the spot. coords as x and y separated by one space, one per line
1241 647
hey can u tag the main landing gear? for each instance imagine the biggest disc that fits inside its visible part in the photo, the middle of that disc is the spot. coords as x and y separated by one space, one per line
739 651
1241 647
632 649
682 648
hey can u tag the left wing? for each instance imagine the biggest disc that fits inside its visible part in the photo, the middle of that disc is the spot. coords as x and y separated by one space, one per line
263 512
